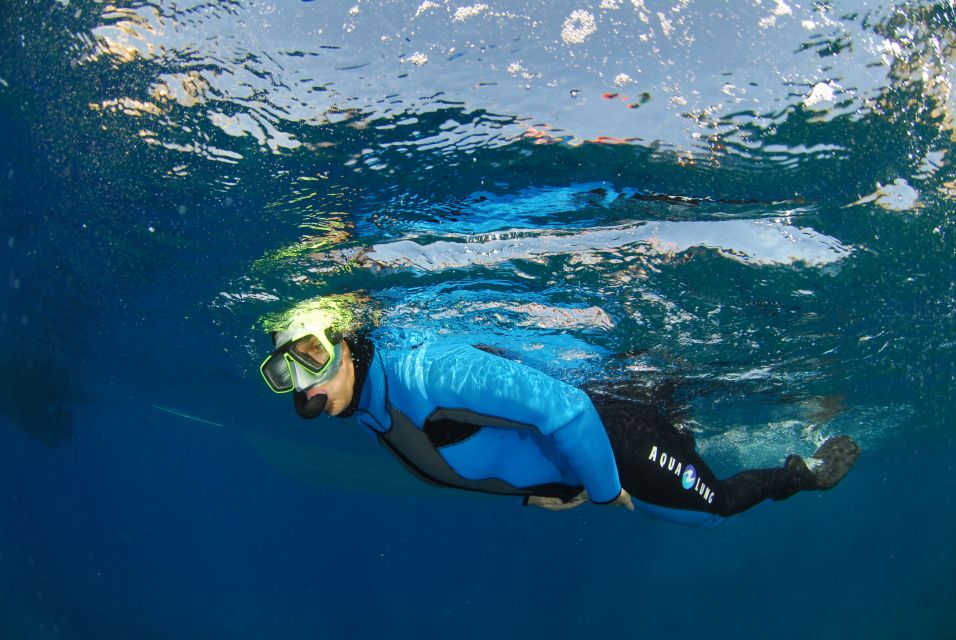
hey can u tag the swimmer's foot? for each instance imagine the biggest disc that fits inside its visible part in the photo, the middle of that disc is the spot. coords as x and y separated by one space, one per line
827 466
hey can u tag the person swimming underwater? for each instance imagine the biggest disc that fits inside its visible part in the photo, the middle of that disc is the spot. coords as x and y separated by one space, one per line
458 416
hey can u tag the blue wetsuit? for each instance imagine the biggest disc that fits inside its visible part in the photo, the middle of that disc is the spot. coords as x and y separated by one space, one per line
460 417
531 429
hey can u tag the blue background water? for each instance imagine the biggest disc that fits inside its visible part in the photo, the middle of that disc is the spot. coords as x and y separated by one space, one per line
774 232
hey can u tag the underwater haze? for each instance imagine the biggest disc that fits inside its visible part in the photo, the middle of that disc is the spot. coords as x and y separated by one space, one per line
749 202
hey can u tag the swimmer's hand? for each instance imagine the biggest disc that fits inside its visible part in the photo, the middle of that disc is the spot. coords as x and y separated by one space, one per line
556 504
624 500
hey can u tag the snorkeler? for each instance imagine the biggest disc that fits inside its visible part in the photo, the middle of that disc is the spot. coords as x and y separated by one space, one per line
458 416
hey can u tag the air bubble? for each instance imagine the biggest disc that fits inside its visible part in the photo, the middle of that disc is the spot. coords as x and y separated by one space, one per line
578 27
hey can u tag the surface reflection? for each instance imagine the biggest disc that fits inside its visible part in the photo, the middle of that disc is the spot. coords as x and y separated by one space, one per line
645 73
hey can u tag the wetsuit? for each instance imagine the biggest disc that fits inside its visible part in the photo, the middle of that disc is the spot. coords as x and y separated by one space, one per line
457 416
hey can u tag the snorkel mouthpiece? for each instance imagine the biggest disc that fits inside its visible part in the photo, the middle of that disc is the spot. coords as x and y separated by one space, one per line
309 408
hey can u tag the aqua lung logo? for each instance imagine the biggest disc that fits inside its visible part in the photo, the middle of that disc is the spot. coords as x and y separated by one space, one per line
689 479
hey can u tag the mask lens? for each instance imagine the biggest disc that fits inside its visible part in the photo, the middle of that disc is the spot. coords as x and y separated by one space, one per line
311 353
304 377
276 372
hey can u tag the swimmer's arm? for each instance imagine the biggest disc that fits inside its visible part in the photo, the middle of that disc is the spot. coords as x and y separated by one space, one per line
465 378
557 504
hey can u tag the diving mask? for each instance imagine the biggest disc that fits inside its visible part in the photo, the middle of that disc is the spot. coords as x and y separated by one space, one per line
304 362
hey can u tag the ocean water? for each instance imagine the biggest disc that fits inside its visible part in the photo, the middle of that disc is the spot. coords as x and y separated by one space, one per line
753 200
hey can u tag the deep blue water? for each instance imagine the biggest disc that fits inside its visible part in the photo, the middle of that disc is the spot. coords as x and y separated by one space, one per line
753 200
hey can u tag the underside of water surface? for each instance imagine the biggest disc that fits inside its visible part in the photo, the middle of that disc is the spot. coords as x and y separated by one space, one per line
749 203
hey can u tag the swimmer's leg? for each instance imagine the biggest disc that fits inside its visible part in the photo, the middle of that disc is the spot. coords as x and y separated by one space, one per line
749 488
659 467
823 470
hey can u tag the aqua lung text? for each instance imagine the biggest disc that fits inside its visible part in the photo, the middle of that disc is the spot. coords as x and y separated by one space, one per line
690 479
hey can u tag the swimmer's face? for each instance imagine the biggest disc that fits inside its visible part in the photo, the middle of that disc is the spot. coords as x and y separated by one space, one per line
339 389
